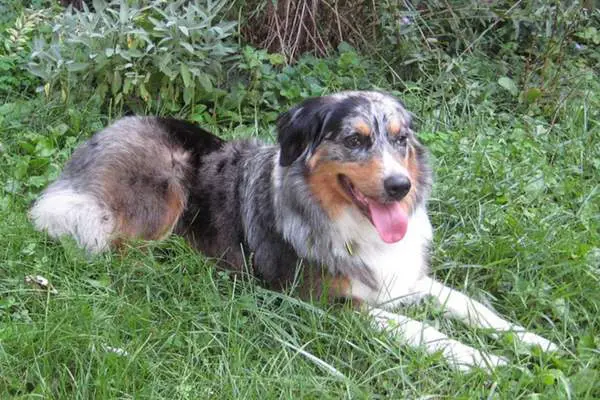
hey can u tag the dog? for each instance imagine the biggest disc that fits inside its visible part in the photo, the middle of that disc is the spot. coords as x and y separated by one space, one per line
336 207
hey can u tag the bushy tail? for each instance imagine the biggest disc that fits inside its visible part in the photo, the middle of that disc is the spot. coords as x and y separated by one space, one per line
66 212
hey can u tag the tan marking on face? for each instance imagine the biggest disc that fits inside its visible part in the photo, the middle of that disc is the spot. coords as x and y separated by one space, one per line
316 157
362 128
412 166
394 127
365 176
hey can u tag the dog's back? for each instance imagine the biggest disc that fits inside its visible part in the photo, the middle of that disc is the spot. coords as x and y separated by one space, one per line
146 177
129 180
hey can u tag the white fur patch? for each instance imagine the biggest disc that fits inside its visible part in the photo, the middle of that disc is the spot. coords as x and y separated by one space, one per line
396 267
391 166
418 334
66 212
461 307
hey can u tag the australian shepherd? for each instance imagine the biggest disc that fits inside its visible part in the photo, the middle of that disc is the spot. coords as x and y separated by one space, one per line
344 191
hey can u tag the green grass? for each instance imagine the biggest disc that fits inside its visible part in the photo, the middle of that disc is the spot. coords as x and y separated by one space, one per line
516 207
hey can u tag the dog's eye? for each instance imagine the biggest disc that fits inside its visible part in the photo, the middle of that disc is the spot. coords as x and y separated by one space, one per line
399 140
354 141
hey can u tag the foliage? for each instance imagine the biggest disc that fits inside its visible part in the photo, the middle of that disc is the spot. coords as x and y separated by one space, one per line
527 52
15 43
265 83
41 137
157 54
11 9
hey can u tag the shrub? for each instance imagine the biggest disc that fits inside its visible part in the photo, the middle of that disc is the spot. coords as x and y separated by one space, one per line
263 83
462 53
466 57
150 54
522 48
15 43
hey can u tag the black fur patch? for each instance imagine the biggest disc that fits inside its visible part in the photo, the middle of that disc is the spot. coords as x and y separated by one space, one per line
191 137
307 124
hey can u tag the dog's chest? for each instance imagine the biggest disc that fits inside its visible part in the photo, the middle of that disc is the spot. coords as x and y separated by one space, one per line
395 267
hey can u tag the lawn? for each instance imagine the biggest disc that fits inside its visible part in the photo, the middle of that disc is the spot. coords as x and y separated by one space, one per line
516 212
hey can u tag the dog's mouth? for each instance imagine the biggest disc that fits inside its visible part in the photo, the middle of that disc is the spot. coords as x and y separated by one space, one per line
389 218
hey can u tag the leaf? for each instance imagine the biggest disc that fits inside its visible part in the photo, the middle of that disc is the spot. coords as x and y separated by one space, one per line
144 93
188 95
7 303
165 68
205 82
118 98
45 148
117 81
187 46
277 59
127 85
20 169
186 76
508 84
123 12
134 53
60 129
38 70
98 5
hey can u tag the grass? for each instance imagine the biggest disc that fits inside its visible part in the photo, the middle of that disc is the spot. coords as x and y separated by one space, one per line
516 210
517 226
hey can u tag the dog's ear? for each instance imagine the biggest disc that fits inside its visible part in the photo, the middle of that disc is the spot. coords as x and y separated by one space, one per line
302 128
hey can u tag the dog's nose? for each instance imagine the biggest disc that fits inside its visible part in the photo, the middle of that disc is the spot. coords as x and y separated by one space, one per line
396 186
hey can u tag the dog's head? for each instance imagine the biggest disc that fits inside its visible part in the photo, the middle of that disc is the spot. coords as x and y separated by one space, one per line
358 149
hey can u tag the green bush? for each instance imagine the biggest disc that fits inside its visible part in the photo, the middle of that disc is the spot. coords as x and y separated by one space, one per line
15 43
264 82
141 54
467 56
522 54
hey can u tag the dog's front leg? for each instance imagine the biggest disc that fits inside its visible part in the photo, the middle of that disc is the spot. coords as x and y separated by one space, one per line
419 334
473 313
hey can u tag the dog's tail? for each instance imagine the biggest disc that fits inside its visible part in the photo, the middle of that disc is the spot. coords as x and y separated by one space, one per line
129 181
66 212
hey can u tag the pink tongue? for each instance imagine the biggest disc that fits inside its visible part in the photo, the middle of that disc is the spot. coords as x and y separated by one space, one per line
390 220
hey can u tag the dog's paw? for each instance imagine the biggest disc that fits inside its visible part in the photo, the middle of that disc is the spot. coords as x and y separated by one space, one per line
465 358
532 339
